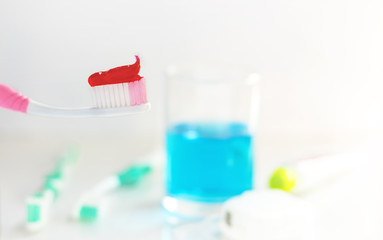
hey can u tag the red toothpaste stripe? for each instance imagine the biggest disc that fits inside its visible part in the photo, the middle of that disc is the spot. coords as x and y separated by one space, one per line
123 74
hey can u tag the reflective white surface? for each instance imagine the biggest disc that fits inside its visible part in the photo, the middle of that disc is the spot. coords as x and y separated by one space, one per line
347 209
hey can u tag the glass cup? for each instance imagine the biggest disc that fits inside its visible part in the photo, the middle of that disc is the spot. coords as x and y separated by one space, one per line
211 119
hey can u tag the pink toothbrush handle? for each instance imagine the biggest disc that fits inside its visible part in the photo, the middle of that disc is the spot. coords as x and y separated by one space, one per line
13 100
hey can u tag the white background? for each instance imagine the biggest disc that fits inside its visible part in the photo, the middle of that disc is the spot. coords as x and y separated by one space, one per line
320 61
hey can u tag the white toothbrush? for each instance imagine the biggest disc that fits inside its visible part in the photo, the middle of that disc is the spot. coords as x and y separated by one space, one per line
119 91
39 206
90 207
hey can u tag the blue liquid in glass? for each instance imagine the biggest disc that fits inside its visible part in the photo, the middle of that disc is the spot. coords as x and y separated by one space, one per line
208 162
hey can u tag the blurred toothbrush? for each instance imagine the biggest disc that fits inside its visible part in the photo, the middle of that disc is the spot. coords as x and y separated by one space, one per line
90 207
117 92
309 174
39 205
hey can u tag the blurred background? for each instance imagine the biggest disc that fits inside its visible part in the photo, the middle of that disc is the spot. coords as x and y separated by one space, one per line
320 64
320 61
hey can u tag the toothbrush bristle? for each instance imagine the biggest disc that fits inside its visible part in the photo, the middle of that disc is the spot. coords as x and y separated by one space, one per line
120 95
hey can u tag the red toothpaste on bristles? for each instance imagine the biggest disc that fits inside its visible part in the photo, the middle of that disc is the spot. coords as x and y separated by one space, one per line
119 87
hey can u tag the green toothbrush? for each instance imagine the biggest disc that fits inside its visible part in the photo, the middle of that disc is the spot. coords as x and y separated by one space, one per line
89 209
38 206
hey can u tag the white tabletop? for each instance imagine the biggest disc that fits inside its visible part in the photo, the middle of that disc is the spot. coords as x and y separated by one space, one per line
347 209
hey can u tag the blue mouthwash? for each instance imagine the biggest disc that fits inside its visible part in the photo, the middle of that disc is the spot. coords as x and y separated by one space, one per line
208 162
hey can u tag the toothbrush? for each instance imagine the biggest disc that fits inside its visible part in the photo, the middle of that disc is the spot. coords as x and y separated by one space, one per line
308 174
39 205
90 206
38 208
117 92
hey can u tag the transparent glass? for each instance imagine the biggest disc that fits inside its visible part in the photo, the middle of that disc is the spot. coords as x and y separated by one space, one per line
211 126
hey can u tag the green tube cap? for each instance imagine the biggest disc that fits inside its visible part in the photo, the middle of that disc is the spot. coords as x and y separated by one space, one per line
283 179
